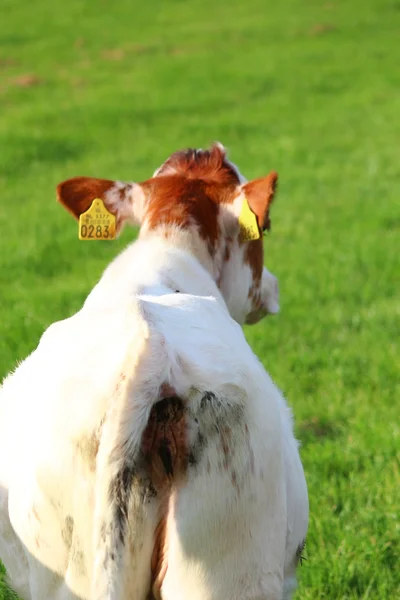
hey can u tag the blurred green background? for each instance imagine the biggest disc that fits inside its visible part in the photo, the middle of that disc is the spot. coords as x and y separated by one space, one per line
309 88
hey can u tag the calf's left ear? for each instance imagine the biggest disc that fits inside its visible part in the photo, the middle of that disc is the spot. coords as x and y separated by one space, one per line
260 193
124 200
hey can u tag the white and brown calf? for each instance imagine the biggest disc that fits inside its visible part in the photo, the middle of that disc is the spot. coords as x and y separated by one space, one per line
144 451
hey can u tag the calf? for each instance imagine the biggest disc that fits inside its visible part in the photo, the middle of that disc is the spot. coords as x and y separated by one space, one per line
145 452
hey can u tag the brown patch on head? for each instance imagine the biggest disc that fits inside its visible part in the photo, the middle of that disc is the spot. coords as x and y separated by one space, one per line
208 165
188 189
185 203
254 257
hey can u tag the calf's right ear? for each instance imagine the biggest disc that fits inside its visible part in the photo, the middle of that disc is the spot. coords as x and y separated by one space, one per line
260 193
124 200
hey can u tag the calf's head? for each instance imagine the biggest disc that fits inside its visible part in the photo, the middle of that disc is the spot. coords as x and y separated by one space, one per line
198 199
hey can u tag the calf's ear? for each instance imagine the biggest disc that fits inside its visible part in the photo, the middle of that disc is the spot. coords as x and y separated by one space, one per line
124 200
260 193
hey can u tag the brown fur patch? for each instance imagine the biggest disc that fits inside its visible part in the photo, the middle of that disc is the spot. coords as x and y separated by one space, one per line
164 442
77 194
208 165
254 257
185 203
188 191
167 391
159 556
165 449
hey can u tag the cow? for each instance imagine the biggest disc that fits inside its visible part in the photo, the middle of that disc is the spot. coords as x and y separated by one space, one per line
145 453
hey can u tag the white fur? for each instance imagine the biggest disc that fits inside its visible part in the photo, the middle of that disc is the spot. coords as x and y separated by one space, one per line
236 522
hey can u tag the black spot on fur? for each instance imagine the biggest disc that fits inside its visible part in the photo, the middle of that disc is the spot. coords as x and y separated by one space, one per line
119 493
206 399
299 552
197 450
166 458
168 410
150 490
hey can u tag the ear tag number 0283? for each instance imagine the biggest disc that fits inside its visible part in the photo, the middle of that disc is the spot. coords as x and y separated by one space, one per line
248 223
97 223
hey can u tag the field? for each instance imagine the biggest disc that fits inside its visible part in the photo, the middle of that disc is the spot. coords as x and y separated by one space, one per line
310 89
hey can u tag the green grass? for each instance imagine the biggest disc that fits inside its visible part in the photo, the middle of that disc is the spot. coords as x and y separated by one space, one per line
309 88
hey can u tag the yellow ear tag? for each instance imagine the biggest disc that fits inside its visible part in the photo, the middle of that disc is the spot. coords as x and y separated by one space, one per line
97 223
248 224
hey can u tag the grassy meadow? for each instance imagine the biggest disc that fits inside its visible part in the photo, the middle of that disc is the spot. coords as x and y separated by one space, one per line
308 88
